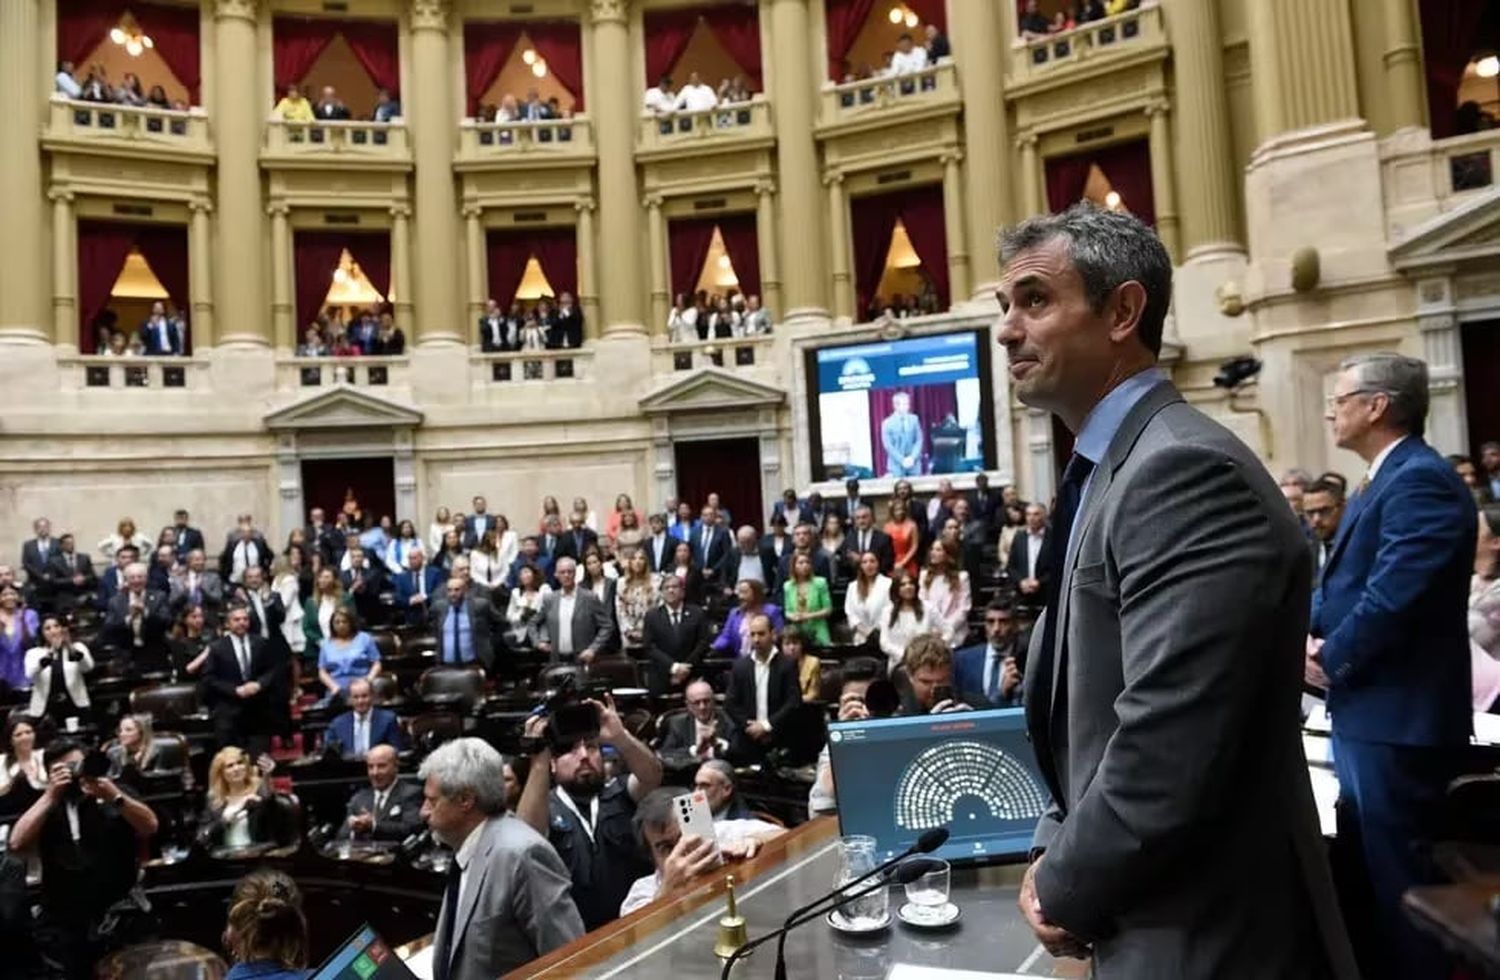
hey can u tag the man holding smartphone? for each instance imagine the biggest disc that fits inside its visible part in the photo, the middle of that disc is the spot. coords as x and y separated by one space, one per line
588 819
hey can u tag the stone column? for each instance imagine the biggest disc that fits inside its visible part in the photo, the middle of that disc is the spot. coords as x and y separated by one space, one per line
401 265
239 296
283 311
656 264
65 323
765 247
432 119
838 239
793 98
1163 180
588 267
953 227
23 274
1205 165
1032 201
1405 87
478 261
1302 65
978 38
201 273
614 110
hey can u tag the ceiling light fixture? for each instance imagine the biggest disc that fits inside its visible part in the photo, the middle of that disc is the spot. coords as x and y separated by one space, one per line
131 38
1487 67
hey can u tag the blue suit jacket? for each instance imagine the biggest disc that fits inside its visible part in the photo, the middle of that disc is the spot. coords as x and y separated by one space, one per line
384 730
968 673
406 587
1392 606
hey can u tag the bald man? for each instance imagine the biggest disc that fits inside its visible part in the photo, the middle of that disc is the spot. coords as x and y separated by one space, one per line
387 809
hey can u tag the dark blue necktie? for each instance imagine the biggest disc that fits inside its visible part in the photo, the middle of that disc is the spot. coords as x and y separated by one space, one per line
1069 495
455 655
444 951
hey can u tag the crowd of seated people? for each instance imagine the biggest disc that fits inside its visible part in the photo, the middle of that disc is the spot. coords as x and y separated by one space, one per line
1034 24
710 316
899 307
162 334
666 99
907 58
547 324
96 87
295 107
531 108
347 332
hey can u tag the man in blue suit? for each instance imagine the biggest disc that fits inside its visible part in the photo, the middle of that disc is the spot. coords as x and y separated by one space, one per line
417 587
711 544
901 435
161 335
1390 644
364 726
990 672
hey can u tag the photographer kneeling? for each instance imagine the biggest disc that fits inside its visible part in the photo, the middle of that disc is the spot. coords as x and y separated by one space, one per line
587 819
87 831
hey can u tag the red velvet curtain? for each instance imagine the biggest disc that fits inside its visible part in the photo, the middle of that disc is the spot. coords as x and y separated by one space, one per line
929 403
374 44
507 252
1127 167
165 249
737 28
844 18
174 32
561 46
1066 177
688 241
556 251
930 12
102 248
922 214
487 46
872 220
315 256
82 25
372 251
296 43
1449 33
668 33
741 241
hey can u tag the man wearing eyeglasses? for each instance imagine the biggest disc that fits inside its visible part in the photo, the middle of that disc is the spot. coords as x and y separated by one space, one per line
1323 507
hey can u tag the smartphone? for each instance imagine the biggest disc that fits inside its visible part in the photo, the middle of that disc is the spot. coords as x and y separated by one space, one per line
941 693
694 816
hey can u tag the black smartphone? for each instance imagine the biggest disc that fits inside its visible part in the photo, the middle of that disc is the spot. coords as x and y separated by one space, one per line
941 693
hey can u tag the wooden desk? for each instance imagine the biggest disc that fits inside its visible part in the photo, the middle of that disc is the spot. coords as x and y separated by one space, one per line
674 937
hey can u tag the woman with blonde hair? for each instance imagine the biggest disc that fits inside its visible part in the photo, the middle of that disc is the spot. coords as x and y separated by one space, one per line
317 612
266 933
125 533
945 588
134 746
635 596
237 792
613 521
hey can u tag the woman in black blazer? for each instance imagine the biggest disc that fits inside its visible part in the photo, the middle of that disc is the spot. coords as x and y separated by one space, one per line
683 566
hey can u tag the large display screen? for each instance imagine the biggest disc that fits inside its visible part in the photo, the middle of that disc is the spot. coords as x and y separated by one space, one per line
902 408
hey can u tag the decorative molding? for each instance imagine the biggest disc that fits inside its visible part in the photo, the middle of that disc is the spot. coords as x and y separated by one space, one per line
60 195
765 187
236 9
429 15
201 205
954 155
710 389
472 212
400 211
603 11
278 209
584 204
343 407
651 202
1157 107
1027 139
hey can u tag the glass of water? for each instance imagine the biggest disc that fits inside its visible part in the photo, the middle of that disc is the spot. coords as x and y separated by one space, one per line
857 857
927 895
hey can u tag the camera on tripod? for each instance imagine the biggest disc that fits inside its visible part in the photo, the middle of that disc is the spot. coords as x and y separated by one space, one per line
570 718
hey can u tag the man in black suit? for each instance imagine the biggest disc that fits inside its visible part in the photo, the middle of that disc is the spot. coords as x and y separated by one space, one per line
851 503
710 544
387 809
746 560
549 542
577 538
319 536
804 541
1029 564
972 535
1323 509
330 107
985 504
138 619
776 542
764 677
477 523
675 637
70 574
363 581
245 546
702 731
496 331
188 537
864 536
567 323
267 612
238 680
36 554
660 545
113 578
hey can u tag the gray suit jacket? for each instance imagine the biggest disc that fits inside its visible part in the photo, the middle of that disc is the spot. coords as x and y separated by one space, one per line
484 622
517 903
1183 841
593 627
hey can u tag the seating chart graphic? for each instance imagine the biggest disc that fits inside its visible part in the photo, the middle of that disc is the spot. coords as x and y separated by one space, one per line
946 782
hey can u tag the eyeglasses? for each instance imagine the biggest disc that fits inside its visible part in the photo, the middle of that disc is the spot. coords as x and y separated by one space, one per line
1334 401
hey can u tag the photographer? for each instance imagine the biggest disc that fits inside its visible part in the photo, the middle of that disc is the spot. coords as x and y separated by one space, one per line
87 831
587 819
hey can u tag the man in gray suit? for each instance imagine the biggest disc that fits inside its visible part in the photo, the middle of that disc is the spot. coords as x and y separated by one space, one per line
1163 683
464 622
508 898
575 624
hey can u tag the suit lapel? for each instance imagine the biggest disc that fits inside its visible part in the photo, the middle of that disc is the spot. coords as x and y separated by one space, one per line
1360 503
478 872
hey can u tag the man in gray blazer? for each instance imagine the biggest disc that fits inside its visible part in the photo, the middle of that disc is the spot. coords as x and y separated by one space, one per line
508 897
589 628
1163 683
465 622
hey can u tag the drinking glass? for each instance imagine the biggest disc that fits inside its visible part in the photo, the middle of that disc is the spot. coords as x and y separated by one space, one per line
928 895
857 857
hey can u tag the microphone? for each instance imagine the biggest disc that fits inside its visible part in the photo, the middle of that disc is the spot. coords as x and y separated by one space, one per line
903 875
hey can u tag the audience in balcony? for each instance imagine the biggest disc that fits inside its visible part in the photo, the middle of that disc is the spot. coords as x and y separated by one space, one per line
330 107
130 91
366 332
695 96
387 107
64 82
705 316
157 98
1034 23
938 47
543 327
163 332
660 98
908 58
294 107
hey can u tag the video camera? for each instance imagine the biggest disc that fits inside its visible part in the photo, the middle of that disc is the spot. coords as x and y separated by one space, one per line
93 765
570 719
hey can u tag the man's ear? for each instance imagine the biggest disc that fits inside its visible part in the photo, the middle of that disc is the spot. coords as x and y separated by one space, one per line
1126 308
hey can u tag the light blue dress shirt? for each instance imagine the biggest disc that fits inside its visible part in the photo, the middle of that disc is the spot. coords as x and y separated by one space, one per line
1103 422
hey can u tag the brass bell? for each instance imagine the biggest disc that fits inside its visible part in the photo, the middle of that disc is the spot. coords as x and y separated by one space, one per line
732 930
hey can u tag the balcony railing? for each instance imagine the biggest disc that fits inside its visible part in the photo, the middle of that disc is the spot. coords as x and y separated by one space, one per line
732 121
320 372
515 367
89 371
123 125
726 352
1119 34
344 141
524 140
853 100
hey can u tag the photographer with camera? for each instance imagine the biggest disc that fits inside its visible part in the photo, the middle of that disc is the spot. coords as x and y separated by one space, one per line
587 819
87 831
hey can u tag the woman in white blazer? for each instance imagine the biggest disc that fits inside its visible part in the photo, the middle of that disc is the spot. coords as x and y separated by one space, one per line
868 599
905 617
76 661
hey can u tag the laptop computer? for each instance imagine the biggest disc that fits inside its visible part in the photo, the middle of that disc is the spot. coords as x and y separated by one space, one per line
363 956
970 771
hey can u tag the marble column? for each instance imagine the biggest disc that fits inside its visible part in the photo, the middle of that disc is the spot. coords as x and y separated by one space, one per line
288 334
615 113
954 206
239 297
588 267
978 38
65 326
1032 201
838 238
1301 63
765 247
1205 168
1164 180
432 118
793 99
477 255
656 264
401 265
1406 89
201 273
23 275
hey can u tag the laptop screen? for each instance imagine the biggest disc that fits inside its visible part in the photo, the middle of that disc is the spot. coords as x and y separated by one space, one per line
970 771
363 956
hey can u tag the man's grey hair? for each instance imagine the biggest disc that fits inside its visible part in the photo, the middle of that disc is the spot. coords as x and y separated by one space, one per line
1400 378
722 768
468 765
1108 248
136 567
654 812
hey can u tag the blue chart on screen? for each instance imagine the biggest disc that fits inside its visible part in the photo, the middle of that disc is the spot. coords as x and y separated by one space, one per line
972 772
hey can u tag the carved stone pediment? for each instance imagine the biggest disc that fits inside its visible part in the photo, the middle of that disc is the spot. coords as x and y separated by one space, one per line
342 408
710 389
